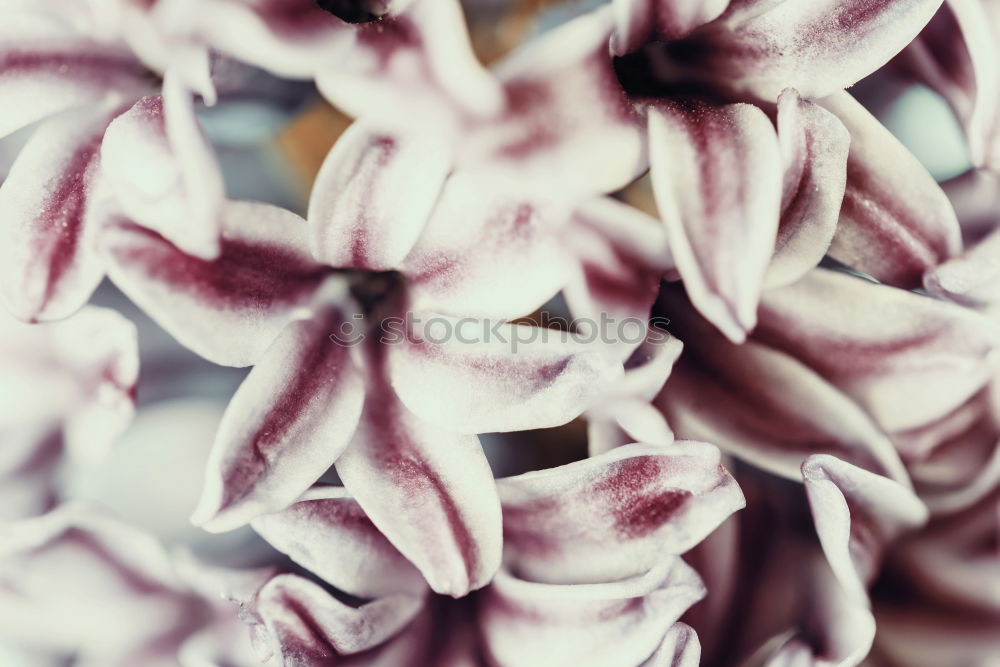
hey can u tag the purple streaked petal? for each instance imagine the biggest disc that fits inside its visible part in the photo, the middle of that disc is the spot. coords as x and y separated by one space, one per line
642 21
285 426
650 501
819 47
429 491
569 126
164 173
716 173
490 377
617 624
489 252
814 149
328 533
49 267
857 515
229 309
896 222
906 358
305 625
373 196
738 397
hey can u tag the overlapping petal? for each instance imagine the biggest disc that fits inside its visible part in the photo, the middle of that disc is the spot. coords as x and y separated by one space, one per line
641 21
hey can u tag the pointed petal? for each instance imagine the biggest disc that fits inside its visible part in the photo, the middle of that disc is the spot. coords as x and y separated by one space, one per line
972 279
328 533
285 426
906 358
616 624
737 397
488 252
49 266
373 196
641 21
814 149
716 173
649 501
896 222
569 127
305 625
164 172
430 492
857 514
817 47
229 309
476 376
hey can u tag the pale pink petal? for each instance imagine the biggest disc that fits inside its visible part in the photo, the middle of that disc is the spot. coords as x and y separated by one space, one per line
680 648
906 358
46 68
306 625
328 533
896 222
716 173
763 405
164 173
489 252
972 279
650 501
641 21
857 515
285 426
373 196
814 149
229 309
617 624
477 376
415 63
49 266
429 491
569 127
817 47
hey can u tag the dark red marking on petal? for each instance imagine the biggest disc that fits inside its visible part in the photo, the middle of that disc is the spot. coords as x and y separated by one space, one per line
626 490
101 68
244 276
296 17
388 36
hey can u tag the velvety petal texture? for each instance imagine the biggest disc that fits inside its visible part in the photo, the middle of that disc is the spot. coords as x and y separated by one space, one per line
286 425
716 173
640 21
228 309
649 501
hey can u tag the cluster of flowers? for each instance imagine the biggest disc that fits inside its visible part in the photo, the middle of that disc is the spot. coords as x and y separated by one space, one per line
817 436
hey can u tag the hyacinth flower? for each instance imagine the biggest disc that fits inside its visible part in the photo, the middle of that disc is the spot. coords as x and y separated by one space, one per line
591 572
336 379
80 586
68 391
753 172
956 56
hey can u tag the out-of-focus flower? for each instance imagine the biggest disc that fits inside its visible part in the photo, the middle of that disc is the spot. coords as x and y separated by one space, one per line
80 586
591 572
68 388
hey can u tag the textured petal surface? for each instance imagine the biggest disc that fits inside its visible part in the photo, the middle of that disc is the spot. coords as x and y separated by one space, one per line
476 376
896 222
814 149
328 533
373 196
648 501
228 309
716 173
639 21
816 47
285 426
680 648
49 266
429 491
611 624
